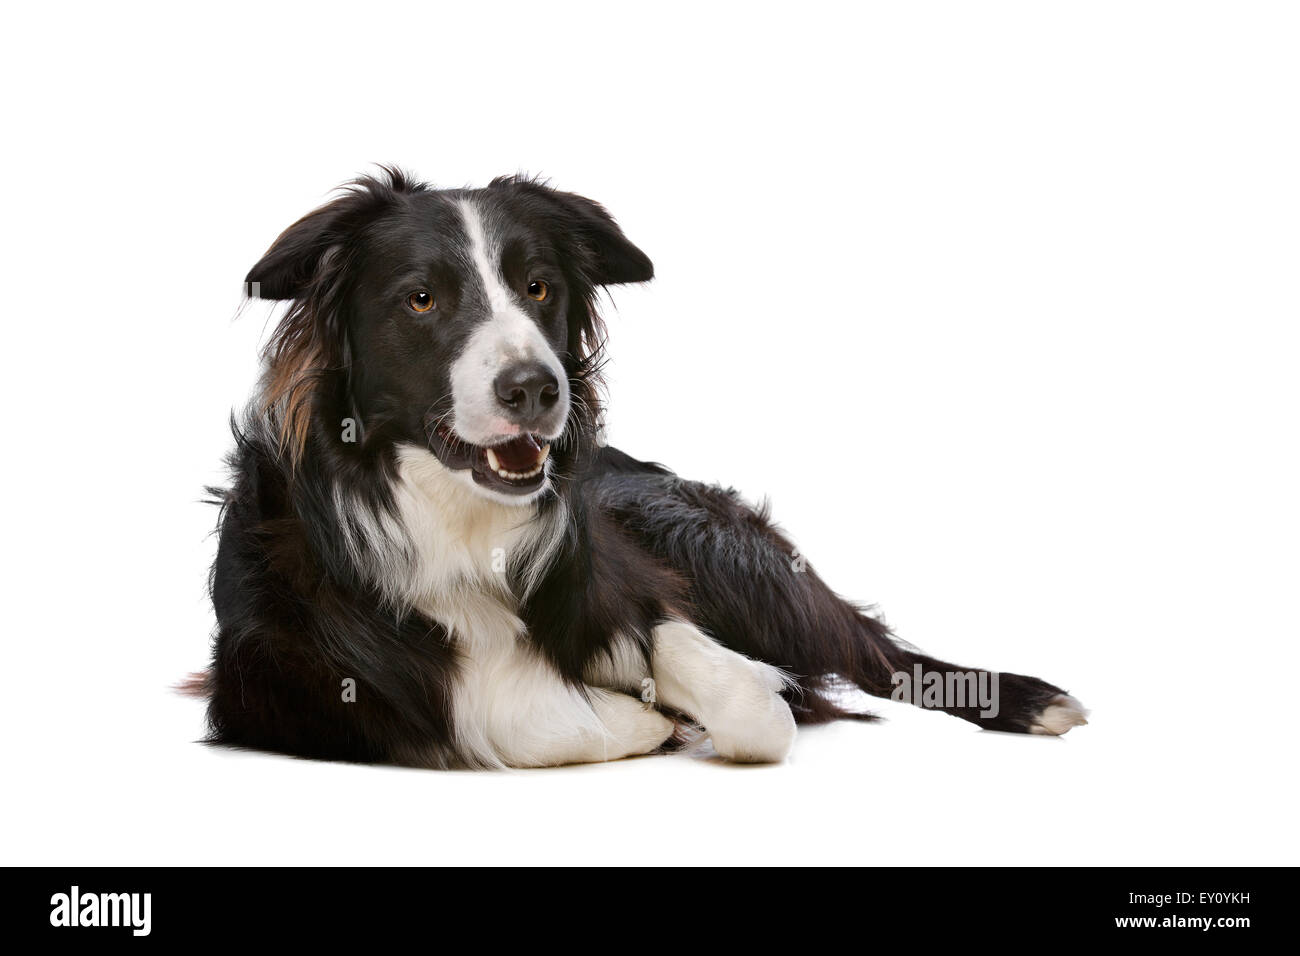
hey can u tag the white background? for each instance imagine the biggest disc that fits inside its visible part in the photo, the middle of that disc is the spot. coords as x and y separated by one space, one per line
998 303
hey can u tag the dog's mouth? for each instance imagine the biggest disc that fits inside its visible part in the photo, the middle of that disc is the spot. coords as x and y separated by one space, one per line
515 466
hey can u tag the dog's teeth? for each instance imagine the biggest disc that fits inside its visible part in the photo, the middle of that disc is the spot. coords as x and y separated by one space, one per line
495 464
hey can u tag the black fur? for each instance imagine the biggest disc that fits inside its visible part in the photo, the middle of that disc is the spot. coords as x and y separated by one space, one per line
297 613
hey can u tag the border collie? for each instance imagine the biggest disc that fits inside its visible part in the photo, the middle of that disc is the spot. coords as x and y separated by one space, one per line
429 558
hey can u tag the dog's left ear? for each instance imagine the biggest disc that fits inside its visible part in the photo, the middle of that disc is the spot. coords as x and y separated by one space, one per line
608 257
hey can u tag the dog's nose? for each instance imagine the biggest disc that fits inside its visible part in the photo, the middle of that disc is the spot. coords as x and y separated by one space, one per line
527 389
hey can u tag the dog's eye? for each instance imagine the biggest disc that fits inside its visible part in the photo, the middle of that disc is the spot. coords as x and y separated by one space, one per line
421 301
539 290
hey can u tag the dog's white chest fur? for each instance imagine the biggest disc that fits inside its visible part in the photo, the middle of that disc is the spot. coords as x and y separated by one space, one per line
447 552
459 545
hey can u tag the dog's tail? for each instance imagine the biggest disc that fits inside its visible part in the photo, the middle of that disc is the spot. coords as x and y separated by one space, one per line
884 666
198 684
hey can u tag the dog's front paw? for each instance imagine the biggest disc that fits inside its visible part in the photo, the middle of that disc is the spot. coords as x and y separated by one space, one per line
1061 714
755 726
631 728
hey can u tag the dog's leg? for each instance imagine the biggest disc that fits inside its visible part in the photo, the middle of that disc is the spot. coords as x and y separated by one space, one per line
513 709
754 592
738 700
622 727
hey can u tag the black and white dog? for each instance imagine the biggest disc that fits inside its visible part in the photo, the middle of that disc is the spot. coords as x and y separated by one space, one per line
427 557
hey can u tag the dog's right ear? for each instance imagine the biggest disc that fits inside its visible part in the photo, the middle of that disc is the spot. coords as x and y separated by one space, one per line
289 267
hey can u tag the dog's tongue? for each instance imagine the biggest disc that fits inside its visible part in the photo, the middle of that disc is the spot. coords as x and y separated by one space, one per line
519 454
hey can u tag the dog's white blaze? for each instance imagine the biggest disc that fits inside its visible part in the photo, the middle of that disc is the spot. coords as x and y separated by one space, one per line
507 337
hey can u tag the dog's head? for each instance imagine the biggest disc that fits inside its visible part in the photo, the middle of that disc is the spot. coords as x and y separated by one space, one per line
458 319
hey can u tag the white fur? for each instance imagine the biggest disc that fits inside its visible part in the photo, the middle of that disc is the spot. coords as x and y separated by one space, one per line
507 337
510 706
377 543
738 700
624 668
512 709
445 553
1061 713
447 536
